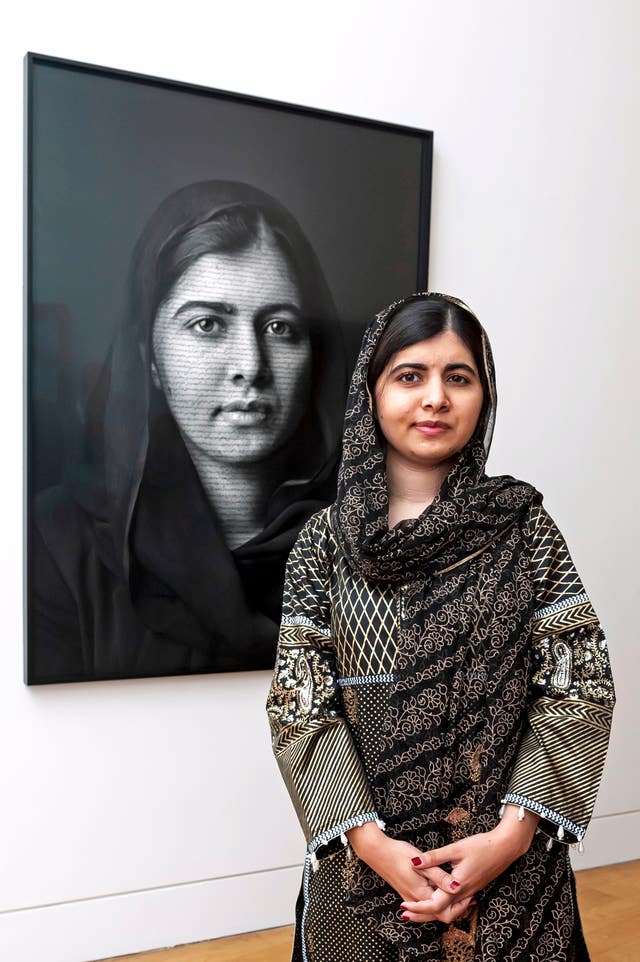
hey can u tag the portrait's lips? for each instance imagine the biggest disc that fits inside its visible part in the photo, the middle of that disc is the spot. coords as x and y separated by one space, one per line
432 427
244 413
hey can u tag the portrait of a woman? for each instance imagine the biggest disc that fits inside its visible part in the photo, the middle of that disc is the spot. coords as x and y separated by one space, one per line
209 437
442 696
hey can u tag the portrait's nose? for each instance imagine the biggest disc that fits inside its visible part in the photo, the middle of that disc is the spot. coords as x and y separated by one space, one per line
247 362
434 394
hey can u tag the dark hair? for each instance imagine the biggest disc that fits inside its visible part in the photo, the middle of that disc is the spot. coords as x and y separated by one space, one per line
232 230
420 320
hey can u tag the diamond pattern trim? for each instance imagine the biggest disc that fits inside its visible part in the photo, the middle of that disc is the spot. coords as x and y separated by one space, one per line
364 624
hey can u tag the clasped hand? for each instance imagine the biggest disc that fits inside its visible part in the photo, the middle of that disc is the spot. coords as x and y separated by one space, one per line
475 861
430 893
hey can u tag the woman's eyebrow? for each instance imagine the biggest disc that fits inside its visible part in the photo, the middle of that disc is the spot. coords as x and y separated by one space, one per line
279 306
220 306
459 364
419 366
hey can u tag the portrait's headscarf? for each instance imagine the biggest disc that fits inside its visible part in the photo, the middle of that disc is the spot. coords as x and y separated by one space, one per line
467 599
132 442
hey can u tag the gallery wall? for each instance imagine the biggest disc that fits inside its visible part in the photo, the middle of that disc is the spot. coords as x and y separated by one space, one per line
139 814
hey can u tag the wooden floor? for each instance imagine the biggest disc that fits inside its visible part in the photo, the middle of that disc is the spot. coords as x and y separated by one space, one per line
609 906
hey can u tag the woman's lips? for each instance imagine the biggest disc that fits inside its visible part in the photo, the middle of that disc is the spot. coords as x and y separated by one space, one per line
437 427
244 418
244 414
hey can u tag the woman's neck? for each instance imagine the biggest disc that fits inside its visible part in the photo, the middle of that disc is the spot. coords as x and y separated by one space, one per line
239 493
412 487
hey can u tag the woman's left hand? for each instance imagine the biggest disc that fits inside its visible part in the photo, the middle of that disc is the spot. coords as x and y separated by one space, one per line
476 860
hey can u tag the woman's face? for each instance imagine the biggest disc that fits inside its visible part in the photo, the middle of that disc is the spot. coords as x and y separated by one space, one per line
232 353
429 398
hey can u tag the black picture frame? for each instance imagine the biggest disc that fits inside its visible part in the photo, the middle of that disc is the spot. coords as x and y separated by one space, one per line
132 567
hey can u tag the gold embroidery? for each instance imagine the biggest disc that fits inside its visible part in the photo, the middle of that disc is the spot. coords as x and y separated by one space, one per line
476 768
458 945
457 815
349 872
350 703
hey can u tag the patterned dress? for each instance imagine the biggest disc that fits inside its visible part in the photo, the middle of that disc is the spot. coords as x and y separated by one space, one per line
327 703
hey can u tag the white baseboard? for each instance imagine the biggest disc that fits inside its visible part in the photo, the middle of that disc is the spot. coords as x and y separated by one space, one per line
98 928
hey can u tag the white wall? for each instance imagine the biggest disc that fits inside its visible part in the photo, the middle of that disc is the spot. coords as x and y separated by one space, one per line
139 814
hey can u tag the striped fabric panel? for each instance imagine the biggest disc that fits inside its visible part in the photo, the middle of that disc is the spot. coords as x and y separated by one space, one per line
297 636
561 756
553 569
556 619
305 599
303 620
586 711
283 738
325 778
571 602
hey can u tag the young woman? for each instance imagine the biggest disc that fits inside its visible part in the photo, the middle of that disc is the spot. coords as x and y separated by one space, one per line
211 435
442 696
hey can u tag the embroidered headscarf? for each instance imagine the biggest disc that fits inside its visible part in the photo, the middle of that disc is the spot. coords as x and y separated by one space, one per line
456 705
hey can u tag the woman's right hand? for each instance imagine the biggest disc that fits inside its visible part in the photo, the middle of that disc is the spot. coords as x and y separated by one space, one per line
390 858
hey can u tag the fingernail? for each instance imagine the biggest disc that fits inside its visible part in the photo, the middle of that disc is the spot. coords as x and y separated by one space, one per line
403 906
455 885
417 860
405 915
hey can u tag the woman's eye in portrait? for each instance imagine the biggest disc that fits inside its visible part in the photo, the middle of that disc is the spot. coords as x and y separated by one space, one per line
279 327
459 379
207 324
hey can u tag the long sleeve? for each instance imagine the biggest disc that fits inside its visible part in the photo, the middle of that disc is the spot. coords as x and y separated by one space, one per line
561 756
312 742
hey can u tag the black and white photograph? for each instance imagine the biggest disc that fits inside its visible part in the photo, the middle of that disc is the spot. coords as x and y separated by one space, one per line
200 268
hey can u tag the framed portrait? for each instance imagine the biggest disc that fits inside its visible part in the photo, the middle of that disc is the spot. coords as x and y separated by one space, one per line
200 268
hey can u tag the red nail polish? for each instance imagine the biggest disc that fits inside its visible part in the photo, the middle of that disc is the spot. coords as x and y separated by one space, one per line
404 915
455 885
416 860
